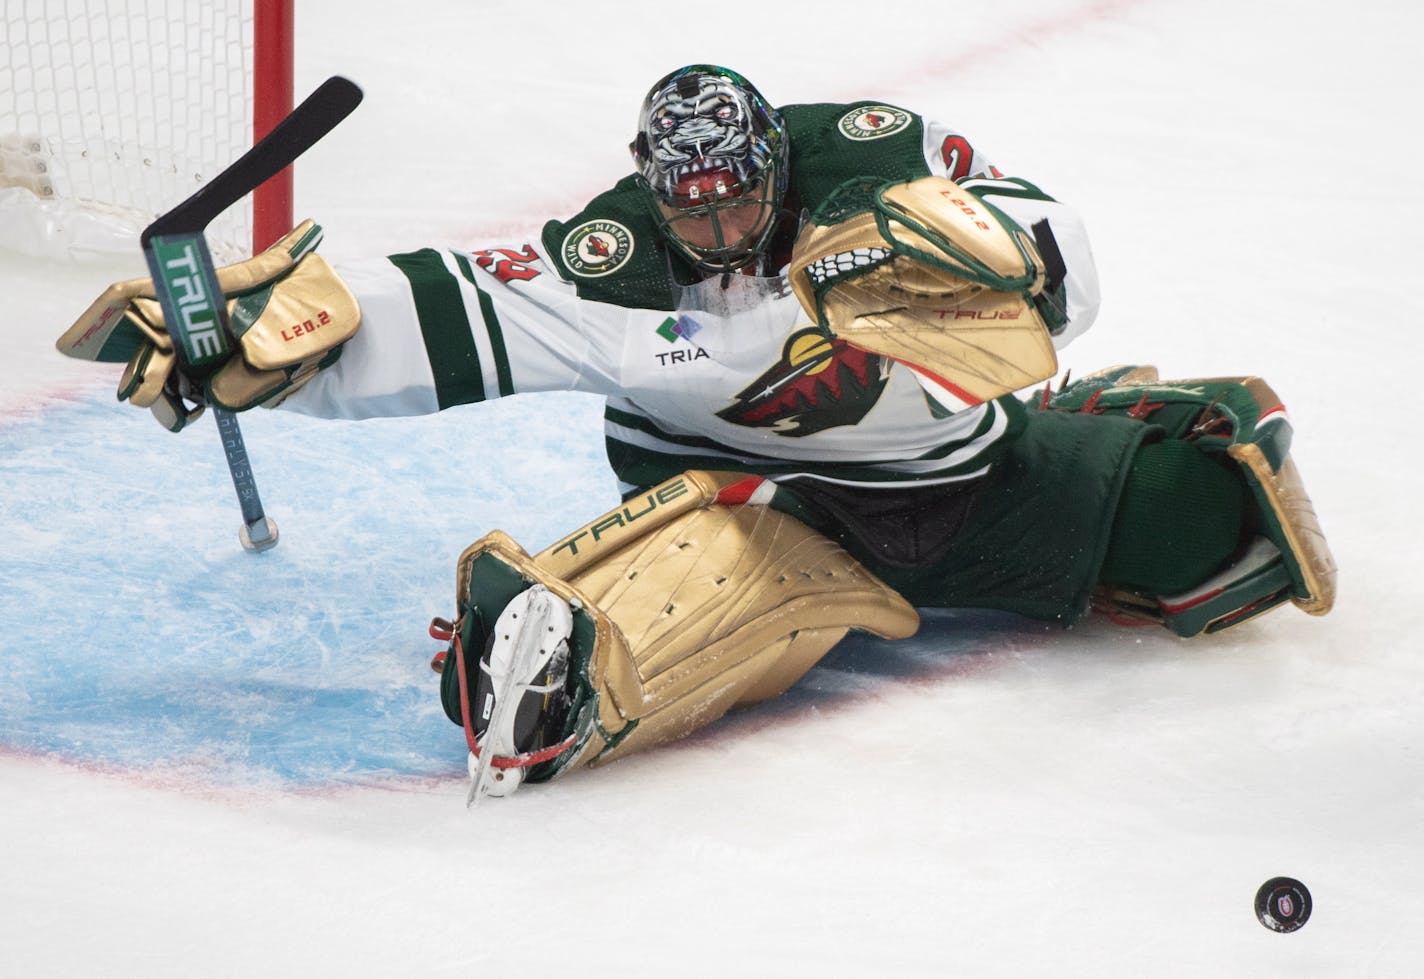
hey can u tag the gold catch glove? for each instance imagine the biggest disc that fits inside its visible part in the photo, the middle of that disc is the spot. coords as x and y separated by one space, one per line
929 275
287 310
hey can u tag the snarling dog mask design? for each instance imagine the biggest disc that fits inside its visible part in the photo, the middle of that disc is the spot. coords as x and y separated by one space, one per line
712 155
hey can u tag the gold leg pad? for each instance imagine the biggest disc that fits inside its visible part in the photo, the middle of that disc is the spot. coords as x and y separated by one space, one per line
728 605
1285 493
699 607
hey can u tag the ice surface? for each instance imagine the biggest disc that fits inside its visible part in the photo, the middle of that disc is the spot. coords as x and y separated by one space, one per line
217 763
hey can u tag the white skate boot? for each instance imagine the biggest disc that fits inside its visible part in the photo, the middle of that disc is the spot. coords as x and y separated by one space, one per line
519 692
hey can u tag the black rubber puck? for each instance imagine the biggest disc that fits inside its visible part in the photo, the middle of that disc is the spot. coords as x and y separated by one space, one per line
1283 904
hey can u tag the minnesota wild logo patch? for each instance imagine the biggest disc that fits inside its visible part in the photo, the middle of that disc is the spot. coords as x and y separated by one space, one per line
820 382
873 122
597 248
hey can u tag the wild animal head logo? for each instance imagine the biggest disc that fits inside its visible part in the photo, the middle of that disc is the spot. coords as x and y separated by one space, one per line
820 382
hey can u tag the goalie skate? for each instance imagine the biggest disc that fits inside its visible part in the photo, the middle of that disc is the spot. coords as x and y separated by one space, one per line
519 692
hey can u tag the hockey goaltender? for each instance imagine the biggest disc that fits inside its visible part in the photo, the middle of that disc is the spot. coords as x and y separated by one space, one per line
809 323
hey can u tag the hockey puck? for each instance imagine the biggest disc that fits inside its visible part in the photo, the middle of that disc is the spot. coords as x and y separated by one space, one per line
1283 904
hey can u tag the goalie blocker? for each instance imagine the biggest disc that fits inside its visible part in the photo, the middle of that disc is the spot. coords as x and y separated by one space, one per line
289 312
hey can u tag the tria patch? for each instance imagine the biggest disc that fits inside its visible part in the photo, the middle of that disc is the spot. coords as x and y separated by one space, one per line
684 327
873 122
597 248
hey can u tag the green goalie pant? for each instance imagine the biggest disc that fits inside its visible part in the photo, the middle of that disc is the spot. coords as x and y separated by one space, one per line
1169 502
1030 537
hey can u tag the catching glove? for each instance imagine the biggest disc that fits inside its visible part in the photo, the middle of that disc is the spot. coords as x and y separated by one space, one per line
929 275
287 310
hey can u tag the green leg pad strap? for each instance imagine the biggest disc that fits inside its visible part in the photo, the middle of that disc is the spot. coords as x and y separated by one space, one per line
1180 519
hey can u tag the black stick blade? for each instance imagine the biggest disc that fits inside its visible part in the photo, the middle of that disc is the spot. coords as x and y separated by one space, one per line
319 113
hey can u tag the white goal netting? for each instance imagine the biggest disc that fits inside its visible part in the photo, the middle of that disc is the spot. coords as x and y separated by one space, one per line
113 111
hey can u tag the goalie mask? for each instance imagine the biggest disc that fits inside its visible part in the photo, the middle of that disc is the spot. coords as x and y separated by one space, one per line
712 154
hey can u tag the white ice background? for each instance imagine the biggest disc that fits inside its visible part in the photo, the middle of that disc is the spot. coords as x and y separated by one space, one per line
218 764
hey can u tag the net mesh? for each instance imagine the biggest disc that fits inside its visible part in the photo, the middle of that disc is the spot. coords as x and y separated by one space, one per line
113 111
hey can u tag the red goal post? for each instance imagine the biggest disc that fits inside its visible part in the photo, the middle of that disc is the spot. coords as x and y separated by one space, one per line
113 111
273 24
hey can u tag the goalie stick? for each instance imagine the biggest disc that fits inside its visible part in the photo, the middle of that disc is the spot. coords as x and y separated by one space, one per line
185 278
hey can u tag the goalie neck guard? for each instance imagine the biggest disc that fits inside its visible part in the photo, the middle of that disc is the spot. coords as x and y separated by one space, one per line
712 155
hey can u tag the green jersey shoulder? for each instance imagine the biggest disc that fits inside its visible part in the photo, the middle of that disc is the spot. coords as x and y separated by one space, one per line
612 251
833 142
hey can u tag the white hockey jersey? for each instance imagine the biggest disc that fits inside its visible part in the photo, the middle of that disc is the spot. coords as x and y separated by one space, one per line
725 373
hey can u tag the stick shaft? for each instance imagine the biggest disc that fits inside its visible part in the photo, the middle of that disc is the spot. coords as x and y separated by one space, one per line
243 482
185 278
